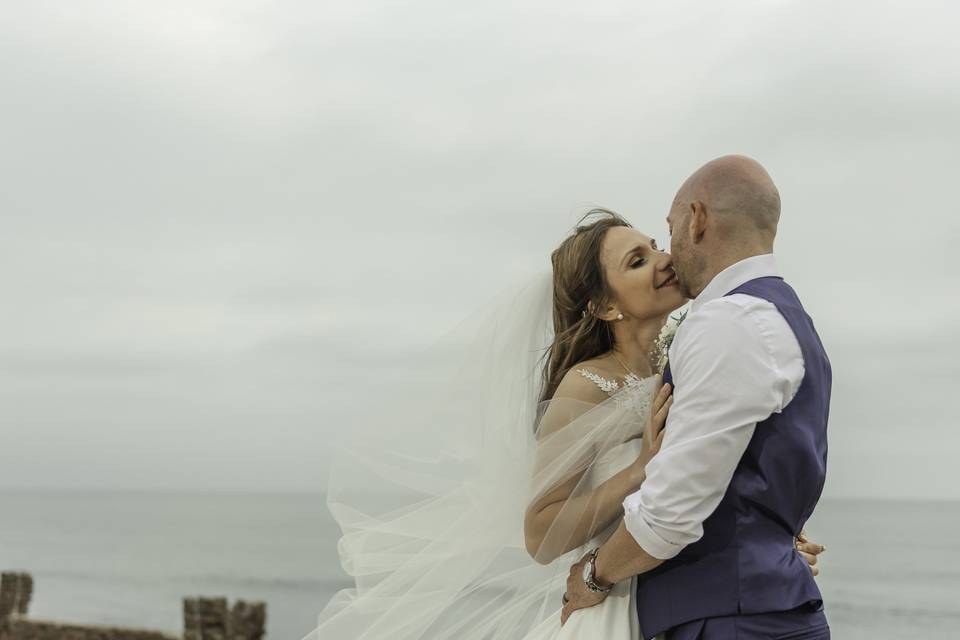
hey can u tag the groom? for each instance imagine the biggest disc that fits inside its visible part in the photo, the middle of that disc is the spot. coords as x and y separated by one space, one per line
711 533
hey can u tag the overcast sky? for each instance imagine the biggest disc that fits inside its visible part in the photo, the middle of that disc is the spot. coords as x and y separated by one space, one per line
225 223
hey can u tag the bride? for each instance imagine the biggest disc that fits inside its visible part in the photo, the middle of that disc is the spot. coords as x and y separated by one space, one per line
503 466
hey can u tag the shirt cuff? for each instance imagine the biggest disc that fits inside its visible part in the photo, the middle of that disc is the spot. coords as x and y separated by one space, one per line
646 537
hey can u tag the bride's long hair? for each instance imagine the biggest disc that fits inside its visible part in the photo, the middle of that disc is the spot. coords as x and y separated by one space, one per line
579 279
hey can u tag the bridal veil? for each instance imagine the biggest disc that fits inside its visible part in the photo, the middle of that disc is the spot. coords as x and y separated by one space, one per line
431 501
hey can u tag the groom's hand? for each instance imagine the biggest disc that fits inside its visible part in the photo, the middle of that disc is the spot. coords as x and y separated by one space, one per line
578 595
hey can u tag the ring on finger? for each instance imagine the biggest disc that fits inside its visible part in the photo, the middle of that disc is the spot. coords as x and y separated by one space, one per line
565 599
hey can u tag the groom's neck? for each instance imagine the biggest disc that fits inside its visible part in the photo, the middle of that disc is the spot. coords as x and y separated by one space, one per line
723 260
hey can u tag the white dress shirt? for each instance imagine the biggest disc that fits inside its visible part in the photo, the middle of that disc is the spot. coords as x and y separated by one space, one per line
735 362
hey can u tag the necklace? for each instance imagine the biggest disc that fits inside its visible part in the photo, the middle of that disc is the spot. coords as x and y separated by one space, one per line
628 369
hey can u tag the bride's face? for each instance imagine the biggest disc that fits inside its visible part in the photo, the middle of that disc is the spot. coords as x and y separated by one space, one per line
640 274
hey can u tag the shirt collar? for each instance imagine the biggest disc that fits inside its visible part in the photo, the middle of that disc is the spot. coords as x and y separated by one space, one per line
735 275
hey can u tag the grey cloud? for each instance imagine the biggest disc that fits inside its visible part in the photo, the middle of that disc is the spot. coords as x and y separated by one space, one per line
240 219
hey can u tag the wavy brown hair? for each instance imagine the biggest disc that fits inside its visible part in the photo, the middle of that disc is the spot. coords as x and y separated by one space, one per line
578 279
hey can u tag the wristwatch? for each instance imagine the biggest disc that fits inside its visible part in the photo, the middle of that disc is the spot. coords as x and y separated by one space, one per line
589 574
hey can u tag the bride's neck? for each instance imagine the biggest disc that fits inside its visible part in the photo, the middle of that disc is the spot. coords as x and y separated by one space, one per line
633 343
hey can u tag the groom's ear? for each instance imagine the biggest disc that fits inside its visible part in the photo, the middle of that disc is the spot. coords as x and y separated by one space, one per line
698 221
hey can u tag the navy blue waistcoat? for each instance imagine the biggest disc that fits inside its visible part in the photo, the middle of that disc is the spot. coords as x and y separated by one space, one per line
746 561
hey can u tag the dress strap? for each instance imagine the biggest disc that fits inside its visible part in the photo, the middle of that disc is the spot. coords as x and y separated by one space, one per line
609 387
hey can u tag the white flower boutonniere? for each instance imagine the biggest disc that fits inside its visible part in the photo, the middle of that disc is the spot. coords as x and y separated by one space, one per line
661 346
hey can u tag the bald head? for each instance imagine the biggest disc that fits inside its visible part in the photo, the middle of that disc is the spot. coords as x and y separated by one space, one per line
735 187
725 212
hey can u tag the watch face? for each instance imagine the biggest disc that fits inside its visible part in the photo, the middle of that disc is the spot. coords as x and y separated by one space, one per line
587 570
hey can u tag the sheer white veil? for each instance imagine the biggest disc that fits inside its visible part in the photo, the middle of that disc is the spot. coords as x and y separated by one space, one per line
431 501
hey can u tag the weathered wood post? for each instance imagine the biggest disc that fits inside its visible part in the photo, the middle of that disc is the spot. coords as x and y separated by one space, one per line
247 620
8 593
204 619
24 593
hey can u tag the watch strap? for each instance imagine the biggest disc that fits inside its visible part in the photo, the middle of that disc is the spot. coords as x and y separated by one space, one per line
591 579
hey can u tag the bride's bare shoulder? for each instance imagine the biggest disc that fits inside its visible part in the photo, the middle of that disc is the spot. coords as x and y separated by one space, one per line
590 381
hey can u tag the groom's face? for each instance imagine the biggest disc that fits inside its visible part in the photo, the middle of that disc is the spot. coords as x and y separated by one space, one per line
685 262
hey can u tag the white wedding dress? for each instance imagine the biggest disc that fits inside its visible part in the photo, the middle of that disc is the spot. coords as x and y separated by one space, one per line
616 617
432 496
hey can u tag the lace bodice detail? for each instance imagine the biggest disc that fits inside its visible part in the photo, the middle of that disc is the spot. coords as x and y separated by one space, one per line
634 392
610 387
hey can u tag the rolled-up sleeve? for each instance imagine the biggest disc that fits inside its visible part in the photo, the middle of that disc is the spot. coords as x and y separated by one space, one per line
735 362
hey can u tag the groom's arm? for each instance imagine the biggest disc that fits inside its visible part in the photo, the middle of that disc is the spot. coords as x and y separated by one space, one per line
735 361
621 557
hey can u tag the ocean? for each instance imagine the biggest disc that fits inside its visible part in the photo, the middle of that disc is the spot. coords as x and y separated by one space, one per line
891 569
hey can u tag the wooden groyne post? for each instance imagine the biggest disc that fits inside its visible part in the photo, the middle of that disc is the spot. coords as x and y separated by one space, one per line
211 619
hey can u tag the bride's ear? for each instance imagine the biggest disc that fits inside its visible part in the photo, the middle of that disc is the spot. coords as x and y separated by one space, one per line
610 313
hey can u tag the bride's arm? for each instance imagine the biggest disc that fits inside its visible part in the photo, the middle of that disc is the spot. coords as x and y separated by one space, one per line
555 522
572 521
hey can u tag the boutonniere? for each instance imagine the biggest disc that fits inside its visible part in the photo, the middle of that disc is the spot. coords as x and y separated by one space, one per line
661 346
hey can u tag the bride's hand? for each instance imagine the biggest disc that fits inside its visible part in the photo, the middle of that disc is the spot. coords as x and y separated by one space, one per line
653 432
809 551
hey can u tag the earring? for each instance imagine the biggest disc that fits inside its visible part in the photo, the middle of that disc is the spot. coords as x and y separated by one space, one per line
619 316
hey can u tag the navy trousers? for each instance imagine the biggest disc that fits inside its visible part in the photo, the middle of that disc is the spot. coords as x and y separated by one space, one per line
802 623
